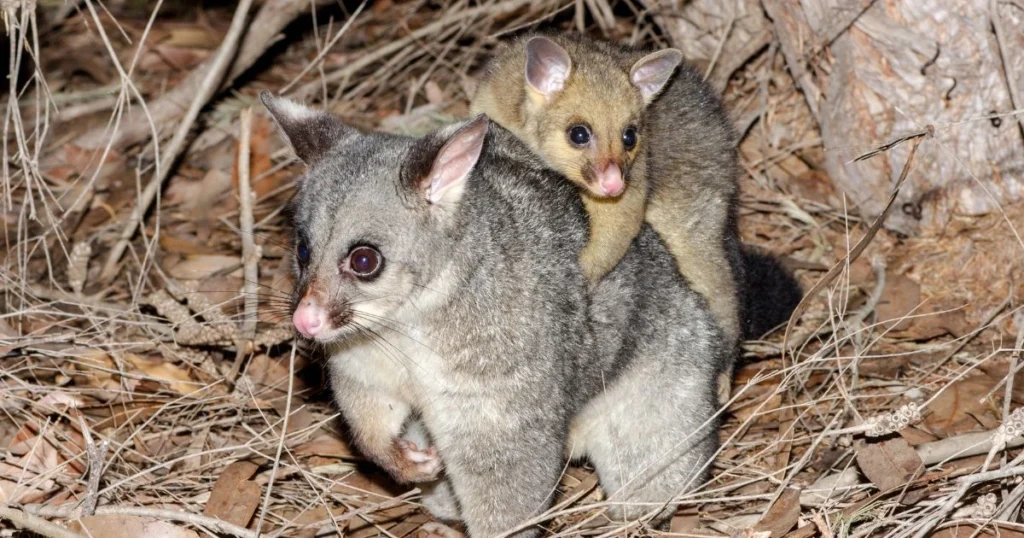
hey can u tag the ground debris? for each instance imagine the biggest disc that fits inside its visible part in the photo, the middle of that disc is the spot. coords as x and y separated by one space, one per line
895 412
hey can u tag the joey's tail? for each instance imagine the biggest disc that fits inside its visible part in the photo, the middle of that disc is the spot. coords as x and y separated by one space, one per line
769 293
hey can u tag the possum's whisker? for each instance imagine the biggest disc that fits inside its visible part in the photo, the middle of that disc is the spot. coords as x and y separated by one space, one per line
392 329
395 354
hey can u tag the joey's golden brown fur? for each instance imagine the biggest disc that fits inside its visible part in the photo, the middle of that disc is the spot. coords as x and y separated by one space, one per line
680 176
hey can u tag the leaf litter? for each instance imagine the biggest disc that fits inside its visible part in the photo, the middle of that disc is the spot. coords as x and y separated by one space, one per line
153 362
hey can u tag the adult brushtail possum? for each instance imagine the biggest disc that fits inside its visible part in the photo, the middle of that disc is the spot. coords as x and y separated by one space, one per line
440 275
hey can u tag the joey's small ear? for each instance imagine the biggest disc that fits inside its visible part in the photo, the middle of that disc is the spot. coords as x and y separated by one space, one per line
446 180
547 66
650 73
310 132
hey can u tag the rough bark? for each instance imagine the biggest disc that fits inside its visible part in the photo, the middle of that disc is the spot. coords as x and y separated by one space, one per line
727 32
877 70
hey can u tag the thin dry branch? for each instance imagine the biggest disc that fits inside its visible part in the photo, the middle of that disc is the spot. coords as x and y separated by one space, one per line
210 83
1011 80
495 9
35 524
856 251
198 520
263 32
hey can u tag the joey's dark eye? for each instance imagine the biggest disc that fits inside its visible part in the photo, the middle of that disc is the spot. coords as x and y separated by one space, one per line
629 137
364 262
302 252
579 135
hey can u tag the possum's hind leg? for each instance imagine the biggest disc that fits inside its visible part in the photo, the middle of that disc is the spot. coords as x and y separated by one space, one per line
503 471
648 444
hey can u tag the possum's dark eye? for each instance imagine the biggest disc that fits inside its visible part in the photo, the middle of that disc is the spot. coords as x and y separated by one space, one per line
629 137
364 261
579 135
302 252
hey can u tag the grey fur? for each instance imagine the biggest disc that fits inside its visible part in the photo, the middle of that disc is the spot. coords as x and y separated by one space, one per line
651 428
484 340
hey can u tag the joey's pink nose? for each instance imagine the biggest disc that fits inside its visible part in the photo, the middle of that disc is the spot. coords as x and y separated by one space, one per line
610 180
309 318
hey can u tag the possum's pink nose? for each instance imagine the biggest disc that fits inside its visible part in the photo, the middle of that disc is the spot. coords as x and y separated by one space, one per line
610 180
309 318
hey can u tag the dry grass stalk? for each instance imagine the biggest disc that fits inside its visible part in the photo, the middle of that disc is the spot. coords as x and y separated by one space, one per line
210 82
140 365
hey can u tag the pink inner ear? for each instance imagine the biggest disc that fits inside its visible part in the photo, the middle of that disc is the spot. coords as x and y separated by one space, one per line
651 72
547 66
456 160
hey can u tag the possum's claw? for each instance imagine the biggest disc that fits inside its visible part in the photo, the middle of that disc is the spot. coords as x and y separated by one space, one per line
415 465
439 530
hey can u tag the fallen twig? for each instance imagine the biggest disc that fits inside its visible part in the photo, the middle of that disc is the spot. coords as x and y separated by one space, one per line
210 82
1011 80
284 434
198 520
263 32
495 9
38 525
251 252
856 251
96 454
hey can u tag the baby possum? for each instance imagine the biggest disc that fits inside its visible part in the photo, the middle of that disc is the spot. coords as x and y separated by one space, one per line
645 137
441 276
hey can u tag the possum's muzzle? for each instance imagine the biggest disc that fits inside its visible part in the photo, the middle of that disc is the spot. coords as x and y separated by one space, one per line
317 321
605 181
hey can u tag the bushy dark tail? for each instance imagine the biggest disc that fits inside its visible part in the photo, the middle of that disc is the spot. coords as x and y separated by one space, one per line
769 293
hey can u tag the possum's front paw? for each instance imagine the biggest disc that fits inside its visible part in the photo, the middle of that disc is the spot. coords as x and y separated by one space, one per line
414 465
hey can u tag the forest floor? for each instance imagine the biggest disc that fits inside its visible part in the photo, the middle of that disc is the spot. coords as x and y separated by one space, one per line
144 378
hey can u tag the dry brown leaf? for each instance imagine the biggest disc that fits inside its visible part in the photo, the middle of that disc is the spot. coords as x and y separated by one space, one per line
783 515
118 414
203 266
300 418
324 445
181 245
272 374
28 477
763 410
314 514
224 290
96 368
889 464
902 297
162 58
955 410
235 497
118 526
173 376
371 489
85 163
33 460
191 37
199 197
814 185
998 369
684 524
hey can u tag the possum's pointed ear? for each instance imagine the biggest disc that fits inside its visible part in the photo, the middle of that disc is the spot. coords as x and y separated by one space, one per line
650 73
547 66
451 166
311 133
